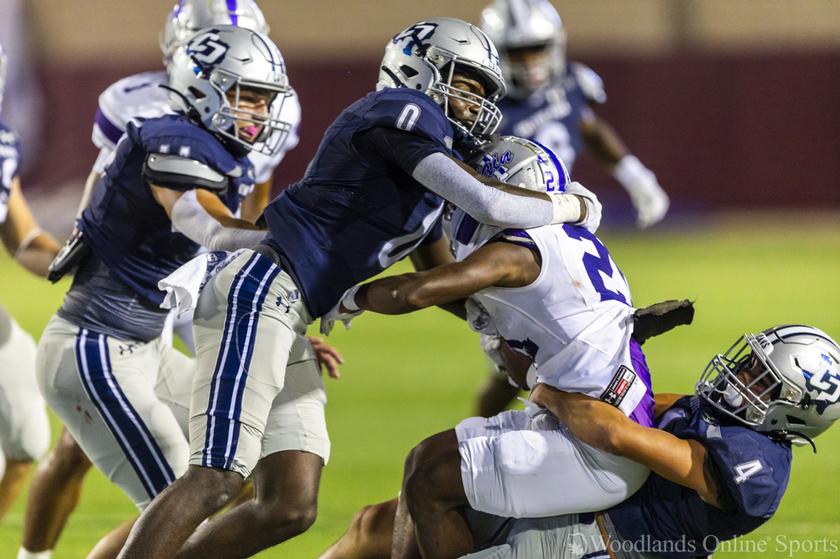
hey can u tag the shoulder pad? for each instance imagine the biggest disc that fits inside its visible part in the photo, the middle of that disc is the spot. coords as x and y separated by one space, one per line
409 111
182 173
590 83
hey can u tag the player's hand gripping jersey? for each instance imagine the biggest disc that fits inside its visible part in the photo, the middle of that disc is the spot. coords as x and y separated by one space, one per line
751 470
552 115
141 96
576 319
9 165
131 235
358 209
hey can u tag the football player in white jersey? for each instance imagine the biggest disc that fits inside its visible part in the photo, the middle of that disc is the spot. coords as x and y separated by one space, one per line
57 485
24 428
552 100
557 300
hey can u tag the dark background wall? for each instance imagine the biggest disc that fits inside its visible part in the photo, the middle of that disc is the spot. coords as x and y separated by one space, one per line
720 130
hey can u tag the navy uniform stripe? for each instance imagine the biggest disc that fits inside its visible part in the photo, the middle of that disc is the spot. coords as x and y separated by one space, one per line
128 428
245 299
251 334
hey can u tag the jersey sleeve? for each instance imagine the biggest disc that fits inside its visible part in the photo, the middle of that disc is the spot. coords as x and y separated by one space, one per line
752 471
590 83
9 167
108 124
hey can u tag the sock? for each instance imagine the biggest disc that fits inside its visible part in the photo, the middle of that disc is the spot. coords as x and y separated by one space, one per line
24 554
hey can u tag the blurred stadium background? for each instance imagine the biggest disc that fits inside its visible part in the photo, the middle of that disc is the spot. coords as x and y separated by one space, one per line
735 104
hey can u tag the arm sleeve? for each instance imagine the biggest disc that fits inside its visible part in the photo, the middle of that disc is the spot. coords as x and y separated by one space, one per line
443 176
193 221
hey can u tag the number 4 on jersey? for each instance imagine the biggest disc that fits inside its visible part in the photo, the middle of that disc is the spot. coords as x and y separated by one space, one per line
747 470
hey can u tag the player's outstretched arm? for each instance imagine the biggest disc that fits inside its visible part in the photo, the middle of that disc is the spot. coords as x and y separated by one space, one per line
649 199
605 427
33 248
496 264
501 204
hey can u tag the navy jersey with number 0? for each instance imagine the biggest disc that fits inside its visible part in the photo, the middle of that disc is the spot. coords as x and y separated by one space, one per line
751 471
358 210
124 225
9 165
552 116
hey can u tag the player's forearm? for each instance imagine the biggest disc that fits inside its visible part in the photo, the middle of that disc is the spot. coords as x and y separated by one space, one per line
190 218
500 205
254 204
594 422
603 142
392 295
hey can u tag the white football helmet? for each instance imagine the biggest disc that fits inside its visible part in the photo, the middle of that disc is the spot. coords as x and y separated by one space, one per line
226 58
526 24
188 17
785 381
523 163
2 75
427 54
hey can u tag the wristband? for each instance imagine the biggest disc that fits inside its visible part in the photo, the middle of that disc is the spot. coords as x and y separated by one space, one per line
565 208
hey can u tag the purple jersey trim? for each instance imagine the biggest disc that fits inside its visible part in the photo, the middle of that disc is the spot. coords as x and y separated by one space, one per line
108 128
643 414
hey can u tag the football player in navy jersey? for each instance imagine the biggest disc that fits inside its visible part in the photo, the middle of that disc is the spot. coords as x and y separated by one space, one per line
24 427
101 357
720 459
373 193
550 100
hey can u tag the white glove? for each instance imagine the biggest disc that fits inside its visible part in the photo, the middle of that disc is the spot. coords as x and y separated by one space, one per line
593 206
479 318
348 300
491 346
650 201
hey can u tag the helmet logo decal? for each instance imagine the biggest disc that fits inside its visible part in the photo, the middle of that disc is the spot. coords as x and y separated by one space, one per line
493 164
826 384
207 49
416 36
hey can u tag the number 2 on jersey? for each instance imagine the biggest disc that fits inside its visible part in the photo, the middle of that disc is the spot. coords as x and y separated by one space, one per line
597 264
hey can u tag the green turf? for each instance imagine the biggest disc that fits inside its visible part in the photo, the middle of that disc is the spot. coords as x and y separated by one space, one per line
408 377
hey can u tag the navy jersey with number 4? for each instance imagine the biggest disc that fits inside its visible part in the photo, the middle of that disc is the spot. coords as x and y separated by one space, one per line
124 225
9 165
750 469
358 209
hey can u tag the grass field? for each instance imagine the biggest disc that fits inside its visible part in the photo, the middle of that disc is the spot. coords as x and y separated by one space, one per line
408 377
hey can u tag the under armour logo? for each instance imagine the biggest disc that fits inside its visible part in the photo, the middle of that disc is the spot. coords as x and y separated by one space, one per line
293 297
416 35
127 348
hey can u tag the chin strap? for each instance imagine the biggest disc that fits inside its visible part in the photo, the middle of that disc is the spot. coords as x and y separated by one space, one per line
190 111
787 436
